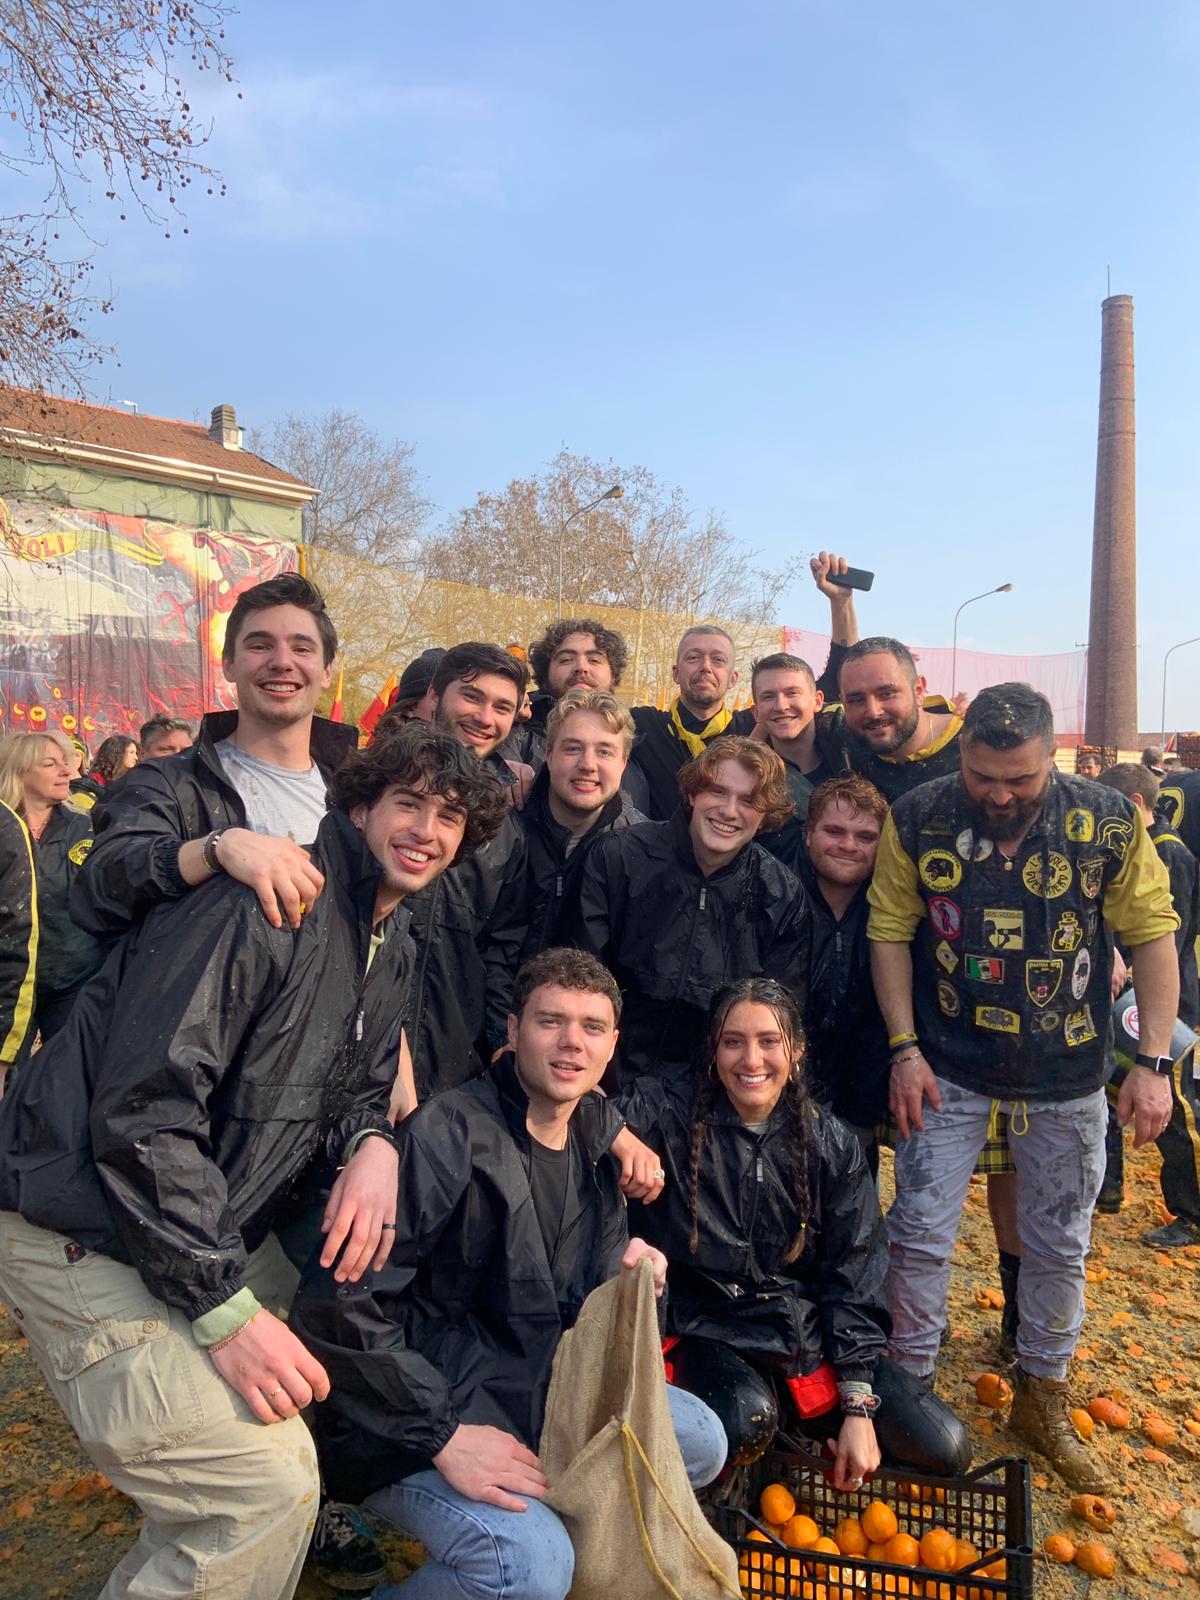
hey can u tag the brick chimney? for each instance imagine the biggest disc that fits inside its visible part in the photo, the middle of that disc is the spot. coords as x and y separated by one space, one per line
224 427
1111 719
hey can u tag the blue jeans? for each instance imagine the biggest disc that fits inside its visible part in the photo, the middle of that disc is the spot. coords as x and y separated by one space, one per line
479 1552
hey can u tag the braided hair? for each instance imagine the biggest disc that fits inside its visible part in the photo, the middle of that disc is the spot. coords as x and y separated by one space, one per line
794 1102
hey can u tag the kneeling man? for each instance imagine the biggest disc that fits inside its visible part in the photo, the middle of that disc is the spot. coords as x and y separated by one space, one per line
509 1215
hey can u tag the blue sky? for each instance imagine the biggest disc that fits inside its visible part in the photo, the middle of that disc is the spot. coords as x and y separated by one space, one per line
835 269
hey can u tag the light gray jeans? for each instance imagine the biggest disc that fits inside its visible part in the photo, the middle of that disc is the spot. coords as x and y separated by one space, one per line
1058 1149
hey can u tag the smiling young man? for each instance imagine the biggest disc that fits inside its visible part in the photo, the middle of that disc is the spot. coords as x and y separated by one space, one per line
204 1070
677 908
573 653
248 795
996 898
576 800
848 1062
507 1218
470 925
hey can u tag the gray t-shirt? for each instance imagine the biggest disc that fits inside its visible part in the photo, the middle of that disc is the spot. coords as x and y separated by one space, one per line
288 804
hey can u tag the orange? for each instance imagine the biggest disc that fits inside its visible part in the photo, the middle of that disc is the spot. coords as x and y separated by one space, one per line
876 1552
937 1549
879 1522
902 1549
800 1532
777 1503
1059 1547
828 1546
964 1553
1096 1559
1085 1424
992 1390
851 1540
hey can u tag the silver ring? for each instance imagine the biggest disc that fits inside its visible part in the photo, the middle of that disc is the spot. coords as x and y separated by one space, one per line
659 1173
384 1226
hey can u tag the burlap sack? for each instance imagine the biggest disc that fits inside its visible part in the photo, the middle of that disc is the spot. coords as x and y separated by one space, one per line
616 1476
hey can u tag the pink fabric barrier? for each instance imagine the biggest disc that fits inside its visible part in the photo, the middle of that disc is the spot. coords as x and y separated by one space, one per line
1062 678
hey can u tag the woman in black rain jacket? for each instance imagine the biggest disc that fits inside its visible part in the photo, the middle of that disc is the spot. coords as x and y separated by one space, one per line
778 1266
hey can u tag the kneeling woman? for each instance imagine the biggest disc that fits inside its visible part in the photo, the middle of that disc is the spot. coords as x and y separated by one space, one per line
778 1267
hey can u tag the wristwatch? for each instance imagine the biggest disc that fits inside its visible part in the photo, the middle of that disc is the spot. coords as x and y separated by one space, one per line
1160 1064
208 851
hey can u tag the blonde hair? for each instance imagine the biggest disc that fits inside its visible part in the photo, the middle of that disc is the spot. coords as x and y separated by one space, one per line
614 715
19 754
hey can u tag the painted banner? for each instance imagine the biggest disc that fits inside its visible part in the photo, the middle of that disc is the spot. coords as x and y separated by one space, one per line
1062 678
106 620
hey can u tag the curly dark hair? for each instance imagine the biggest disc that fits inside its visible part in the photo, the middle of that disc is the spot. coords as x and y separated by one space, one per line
108 762
770 795
425 758
542 651
794 1102
565 969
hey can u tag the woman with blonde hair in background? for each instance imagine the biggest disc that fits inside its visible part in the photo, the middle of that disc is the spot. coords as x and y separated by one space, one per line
35 783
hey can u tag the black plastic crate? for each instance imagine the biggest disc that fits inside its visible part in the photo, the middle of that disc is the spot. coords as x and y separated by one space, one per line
990 1506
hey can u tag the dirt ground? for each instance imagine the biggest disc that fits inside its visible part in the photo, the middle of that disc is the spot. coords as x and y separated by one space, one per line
62 1528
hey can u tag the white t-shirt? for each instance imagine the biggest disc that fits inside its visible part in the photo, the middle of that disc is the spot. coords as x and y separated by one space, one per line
288 804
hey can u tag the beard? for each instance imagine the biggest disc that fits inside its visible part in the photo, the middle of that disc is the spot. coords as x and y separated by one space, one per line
887 737
1004 827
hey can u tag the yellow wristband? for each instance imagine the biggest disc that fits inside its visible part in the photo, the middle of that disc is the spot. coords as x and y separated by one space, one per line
897 1039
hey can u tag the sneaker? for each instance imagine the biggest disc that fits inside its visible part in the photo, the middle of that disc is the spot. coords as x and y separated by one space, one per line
343 1552
1173 1235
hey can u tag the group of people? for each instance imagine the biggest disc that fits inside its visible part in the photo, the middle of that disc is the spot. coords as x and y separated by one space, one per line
369 1065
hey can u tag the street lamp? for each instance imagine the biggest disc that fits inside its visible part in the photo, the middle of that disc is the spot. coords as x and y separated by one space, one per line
614 493
1166 658
1004 588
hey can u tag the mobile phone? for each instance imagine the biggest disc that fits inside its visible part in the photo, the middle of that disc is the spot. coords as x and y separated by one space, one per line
853 578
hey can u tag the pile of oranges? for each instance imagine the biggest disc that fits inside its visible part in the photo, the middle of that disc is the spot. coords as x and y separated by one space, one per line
874 1535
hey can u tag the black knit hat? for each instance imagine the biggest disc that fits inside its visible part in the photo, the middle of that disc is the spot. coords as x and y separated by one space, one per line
417 676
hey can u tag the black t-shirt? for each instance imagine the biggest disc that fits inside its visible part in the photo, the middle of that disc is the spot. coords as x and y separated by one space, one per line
550 1176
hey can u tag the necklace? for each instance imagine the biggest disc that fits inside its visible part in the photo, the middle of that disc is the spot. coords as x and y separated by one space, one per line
37 829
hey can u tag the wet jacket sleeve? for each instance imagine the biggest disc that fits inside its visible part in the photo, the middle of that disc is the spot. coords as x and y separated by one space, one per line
790 953
1137 901
356 1330
18 939
184 1014
139 826
852 1257
501 941
599 908
896 904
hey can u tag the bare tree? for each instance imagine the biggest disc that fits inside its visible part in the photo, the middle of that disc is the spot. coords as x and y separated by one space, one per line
90 94
369 502
646 552
363 536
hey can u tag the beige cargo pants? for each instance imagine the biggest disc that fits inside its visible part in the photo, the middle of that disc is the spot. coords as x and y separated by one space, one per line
229 1503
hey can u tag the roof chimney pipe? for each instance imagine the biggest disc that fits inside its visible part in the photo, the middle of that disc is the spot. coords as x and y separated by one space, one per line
224 427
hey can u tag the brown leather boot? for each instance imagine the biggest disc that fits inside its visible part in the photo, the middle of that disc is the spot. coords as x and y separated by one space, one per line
1040 1416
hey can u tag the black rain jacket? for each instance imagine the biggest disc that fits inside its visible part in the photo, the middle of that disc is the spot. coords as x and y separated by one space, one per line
202 1069
469 926
1179 807
1184 872
848 1063
671 937
163 803
552 873
18 939
67 954
462 1323
830 1304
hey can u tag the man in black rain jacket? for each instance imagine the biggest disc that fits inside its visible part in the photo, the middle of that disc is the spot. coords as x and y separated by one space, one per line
247 795
508 1217
144 1153
678 908
575 800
